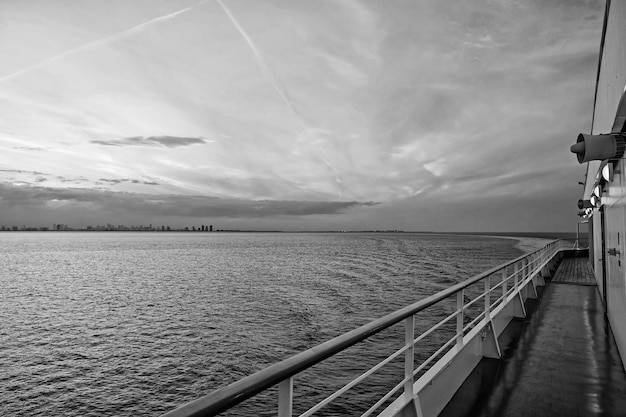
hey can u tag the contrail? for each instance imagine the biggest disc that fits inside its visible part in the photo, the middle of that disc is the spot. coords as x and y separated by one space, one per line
274 81
99 42
265 69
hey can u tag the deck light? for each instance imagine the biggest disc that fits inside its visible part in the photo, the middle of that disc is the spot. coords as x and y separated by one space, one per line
584 204
599 147
597 191
607 172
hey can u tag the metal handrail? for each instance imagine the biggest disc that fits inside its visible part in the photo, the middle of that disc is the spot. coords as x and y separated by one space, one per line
237 392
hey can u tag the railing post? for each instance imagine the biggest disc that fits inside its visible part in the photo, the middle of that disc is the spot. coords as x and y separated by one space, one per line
516 276
488 298
504 284
409 356
459 318
526 270
285 397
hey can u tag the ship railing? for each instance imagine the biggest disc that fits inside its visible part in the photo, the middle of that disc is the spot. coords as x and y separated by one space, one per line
581 243
503 288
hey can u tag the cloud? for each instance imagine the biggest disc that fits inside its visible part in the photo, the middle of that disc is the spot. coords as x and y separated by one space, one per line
437 168
32 178
145 205
21 171
126 180
345 68
483 42
152 141
31 148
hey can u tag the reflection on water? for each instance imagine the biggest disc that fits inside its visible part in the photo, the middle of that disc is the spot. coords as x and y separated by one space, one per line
120 324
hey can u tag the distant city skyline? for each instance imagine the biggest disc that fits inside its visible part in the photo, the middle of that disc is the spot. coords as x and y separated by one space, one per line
107 227
297 115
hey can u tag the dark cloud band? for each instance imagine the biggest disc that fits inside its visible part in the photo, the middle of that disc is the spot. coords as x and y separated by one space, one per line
166 141
126 180
168 205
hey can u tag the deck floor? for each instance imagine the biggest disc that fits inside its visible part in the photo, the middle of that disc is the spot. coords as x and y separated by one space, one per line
560 361
575 271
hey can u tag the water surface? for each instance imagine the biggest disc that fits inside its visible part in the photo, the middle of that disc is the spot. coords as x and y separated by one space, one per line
124 324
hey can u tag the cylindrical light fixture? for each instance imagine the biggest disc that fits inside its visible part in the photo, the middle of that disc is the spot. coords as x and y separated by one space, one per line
599 147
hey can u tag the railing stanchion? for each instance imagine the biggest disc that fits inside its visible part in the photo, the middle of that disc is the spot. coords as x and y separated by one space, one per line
285 397
409 356
488 298
459 318
504 283
526 269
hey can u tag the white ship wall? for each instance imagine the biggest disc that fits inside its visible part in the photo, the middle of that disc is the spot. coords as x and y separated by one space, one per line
611 83
596 259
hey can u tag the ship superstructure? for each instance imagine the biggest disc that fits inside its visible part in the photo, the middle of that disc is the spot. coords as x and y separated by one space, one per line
604 198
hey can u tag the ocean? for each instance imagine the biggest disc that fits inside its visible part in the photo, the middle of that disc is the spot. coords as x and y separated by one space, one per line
134 324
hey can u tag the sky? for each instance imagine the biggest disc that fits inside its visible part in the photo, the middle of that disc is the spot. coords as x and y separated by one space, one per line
296 114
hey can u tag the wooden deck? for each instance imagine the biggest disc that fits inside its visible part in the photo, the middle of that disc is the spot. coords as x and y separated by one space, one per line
574 271
561 360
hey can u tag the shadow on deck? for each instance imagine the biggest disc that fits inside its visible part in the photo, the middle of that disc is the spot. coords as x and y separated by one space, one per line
561 360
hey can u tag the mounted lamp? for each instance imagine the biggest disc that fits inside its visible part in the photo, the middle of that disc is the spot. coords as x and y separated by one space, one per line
597 191
599 147
584 204
607 172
